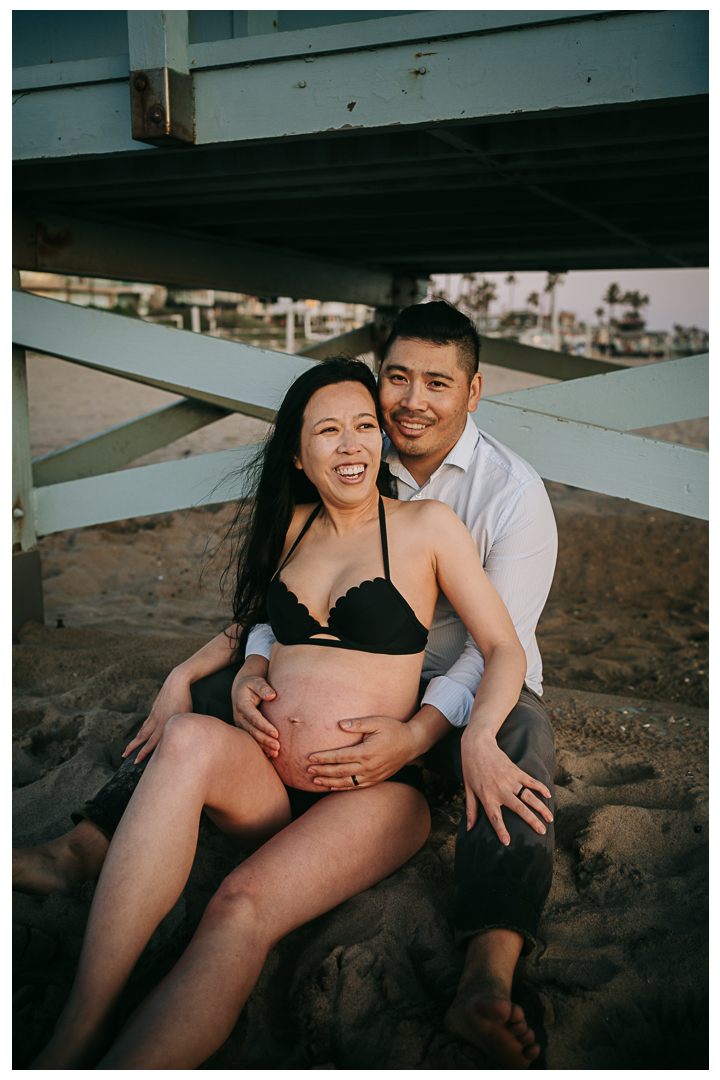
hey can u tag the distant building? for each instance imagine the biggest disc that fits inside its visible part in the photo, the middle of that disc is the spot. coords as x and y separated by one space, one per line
222 314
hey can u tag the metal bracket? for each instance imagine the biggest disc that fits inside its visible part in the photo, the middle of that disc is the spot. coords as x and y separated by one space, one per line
162 107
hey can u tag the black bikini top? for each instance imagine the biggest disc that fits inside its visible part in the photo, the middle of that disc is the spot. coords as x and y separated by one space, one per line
371 617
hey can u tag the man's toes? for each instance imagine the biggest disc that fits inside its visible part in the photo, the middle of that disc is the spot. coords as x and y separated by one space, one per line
527 1038
531 1052
516 1016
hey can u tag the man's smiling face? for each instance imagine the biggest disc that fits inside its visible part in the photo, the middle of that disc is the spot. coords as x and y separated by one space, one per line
425 398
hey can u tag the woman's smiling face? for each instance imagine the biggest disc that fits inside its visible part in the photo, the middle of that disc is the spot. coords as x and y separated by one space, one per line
341 442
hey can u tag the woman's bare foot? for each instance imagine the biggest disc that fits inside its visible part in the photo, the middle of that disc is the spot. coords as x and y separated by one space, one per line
63 863
496 1026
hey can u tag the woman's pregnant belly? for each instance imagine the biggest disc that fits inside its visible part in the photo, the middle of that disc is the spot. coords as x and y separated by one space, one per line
316 687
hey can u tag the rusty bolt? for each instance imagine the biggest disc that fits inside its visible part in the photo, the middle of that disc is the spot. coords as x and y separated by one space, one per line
140 83
18 513
422 71
157 114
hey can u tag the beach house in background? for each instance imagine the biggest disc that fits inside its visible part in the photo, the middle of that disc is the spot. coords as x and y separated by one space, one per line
347 156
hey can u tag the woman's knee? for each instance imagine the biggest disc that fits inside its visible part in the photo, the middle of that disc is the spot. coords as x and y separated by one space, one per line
188 735
235 903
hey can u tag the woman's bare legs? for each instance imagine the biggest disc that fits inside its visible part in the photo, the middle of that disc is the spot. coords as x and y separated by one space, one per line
199 762
342 845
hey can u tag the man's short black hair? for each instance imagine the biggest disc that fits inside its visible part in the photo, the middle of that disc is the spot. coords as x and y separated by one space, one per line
439 323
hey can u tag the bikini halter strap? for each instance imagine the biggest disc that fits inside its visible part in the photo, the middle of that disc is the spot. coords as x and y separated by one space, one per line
383 536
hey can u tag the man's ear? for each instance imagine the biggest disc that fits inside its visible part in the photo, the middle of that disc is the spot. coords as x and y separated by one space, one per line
297 463
475 392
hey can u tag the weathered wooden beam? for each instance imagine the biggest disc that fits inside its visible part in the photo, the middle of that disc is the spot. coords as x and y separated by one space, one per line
662 474
124 443
622 57
23 529
27 593
64 244
149 489
27 597
639 397
161 88
628 57
501 352
353 343
369 34
238 377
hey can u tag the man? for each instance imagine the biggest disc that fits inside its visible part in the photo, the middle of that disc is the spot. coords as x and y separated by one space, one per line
429 384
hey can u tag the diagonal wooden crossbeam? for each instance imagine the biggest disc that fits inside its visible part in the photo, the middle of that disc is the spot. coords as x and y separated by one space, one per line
667 475
242 378
627 399
124 443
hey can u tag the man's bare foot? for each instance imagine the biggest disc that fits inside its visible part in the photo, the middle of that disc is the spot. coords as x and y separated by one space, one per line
482 1012
494 1025
62 864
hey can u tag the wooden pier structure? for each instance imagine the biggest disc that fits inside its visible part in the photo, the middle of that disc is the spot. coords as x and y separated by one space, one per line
347 156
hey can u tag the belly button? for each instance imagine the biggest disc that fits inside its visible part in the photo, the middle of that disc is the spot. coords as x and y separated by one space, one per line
294 719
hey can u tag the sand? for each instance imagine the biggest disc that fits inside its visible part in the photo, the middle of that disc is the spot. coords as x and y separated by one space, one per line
618 980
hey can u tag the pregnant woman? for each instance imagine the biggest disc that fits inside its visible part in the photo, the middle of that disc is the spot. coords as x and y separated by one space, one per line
348 578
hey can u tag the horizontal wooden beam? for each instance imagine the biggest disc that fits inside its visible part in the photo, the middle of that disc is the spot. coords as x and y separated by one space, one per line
620 57
242 378
662 474
150 489
638 397
124 443
369 34
63 244
628 57
345 37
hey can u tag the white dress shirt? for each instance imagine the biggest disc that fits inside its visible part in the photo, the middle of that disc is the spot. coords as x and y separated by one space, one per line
503 502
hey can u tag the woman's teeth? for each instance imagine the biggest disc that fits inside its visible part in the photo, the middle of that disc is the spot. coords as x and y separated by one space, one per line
350 470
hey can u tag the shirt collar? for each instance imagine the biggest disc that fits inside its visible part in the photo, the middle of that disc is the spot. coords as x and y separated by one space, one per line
460 455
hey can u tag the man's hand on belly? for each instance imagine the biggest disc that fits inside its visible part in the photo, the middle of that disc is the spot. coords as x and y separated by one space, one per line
387 746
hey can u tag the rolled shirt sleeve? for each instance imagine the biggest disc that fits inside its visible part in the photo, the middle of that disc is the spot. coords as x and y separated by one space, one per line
260 641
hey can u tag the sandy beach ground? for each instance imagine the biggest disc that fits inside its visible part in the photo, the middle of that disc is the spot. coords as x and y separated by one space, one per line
618 980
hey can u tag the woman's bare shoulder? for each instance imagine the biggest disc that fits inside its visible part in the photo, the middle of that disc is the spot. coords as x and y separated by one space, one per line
426 510
430 517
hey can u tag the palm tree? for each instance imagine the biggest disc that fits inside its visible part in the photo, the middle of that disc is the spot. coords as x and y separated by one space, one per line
599 312
534 301
511 281
612 298
635 301
553 280
485 294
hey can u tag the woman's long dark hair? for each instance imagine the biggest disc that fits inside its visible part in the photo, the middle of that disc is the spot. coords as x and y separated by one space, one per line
260 524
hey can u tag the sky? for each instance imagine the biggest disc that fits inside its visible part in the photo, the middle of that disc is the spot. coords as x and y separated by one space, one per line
676 296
